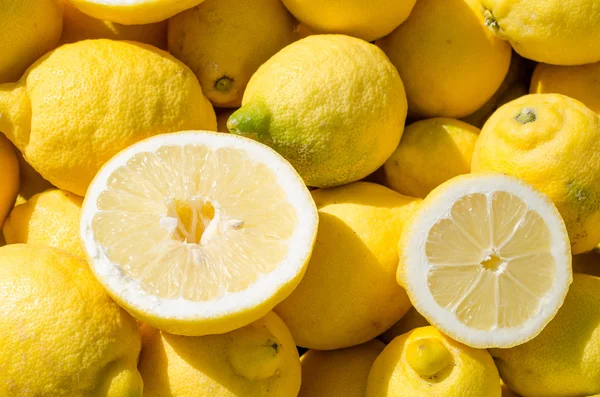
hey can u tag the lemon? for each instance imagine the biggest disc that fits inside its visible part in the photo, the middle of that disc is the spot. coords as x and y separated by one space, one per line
49 218
62 334
339 122
84 102
578 82
9 177
338 373
224 42
564 360
506 392
587 263
197 232
550 141
411 320
430 152
455 64
551 31
349 294
486 260
30 28
257 360
426 362
368 20
32 182
78 26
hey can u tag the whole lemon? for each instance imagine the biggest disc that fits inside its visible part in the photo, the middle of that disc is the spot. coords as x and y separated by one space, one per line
431 151
425 362
349 293
9 177
450 63
335 124
50 218
564 360
550 31
224 42
84 102
551 141
338 373
368 20
29 29
62 335
257 360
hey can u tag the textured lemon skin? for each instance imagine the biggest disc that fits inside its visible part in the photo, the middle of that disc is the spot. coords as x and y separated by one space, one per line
472 373
84 102
30 28
338 123
556 153
368 20
62 334
338 373
183 366
455 64
431 151
550 31
349 294
226 41
578 82
9 177
50 218
564 360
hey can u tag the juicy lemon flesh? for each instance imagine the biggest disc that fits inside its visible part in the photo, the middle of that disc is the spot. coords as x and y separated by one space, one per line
194 222
490 261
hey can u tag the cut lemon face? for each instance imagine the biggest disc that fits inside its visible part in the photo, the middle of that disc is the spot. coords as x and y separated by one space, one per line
197 232
487 260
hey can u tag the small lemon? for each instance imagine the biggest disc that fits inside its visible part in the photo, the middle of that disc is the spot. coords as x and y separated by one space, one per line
411 320
257 360
338 373
9 177
564 360
426 362
339 122
430 152
551 141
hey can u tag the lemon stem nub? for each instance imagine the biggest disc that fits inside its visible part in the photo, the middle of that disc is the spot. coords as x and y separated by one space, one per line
490 21
526 116
224 84
428 357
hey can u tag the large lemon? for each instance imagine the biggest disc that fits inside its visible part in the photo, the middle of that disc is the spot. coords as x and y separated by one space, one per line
9 177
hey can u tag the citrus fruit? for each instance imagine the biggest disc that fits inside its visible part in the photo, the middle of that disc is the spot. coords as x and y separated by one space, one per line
564 360
425 362
349 294
486 259
62 334
336 124
550 141
32 182
257 360
411 320
455 64
84 102
431 151
224 42
9 177
338 373
198 233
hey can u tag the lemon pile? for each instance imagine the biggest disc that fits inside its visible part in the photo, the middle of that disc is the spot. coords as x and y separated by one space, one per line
294 198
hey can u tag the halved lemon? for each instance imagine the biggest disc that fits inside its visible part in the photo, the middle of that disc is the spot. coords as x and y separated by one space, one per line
198 232
486 259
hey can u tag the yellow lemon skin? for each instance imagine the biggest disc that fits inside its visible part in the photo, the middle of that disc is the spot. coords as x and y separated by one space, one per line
579 82
455 64
79 26
431 151
404 368
549 31
506 392
62 334
257 360
564 360
50 218
84 102
349 293
9 177
224 42
411 320
551 142
338 373
368 20
30 28
338 123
